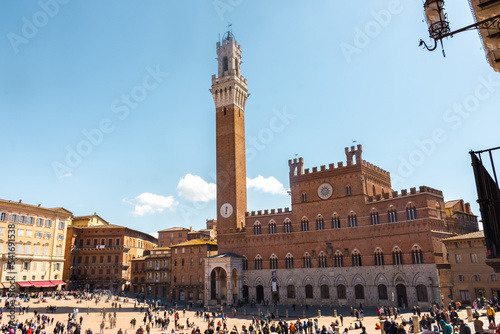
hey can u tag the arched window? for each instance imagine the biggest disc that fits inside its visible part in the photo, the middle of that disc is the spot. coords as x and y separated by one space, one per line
257 228
322 260
356 258
422 293
341 292
392 215
273 262
325 291
309 291
411 211
335 221
348 190
245 263
272 227
304 197
304 224
359 291
287 226
373 191
307 260
352 219
374 217
417 255
320 223
382 292
258 262
289 261
339 259
397 256
379 257
290 291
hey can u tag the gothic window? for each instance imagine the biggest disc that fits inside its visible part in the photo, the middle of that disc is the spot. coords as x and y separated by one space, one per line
307 260
287 226
379 257
304 224
392 215
335 221
325 292
352 219
341 292
245 263
258 262
304 197
411 212
356 258
322 260
359 291
422 293
309 291
417 255
273 261
382 292
290 291
272 227
339 259
348 190
320 223
289 261
374 217
257 228
397 256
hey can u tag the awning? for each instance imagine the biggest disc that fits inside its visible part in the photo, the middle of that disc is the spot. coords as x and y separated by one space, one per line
42 284
57 282
24 284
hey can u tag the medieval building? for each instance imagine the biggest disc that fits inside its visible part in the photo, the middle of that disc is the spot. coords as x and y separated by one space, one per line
348 238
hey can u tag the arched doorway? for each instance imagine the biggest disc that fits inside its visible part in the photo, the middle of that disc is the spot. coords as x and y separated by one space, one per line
234 281
245 293
259 292
401 293
218 285
276 294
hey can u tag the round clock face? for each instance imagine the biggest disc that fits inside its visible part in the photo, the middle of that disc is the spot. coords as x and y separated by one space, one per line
325 191
226 210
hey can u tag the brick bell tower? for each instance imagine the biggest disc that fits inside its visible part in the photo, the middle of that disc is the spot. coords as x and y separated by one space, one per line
229 90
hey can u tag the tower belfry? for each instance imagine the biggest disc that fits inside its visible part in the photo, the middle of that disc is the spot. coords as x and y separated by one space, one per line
229 91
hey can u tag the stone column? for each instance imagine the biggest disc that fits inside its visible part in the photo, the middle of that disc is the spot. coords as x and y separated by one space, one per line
469 313
416 324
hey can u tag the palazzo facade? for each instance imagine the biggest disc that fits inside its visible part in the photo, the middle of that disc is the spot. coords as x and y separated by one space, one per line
348 238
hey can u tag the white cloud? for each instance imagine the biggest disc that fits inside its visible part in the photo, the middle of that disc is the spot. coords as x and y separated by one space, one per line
147 203
266 184
195 189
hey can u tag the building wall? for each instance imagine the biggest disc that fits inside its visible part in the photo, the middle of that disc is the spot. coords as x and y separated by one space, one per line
102 255
172 236
187 269
472 278
40 236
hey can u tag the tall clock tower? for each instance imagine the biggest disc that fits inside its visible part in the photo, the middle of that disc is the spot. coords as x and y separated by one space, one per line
229 90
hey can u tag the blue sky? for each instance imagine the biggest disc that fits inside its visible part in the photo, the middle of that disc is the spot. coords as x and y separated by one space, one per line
124 84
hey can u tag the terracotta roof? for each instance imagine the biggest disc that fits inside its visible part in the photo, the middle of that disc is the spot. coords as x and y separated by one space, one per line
58 210
195 242
175 229
451 204
473 235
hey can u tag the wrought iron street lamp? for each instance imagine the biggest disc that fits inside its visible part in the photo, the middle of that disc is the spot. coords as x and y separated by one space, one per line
439 28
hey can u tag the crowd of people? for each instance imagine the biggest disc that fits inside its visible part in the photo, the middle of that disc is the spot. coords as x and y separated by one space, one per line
169 319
